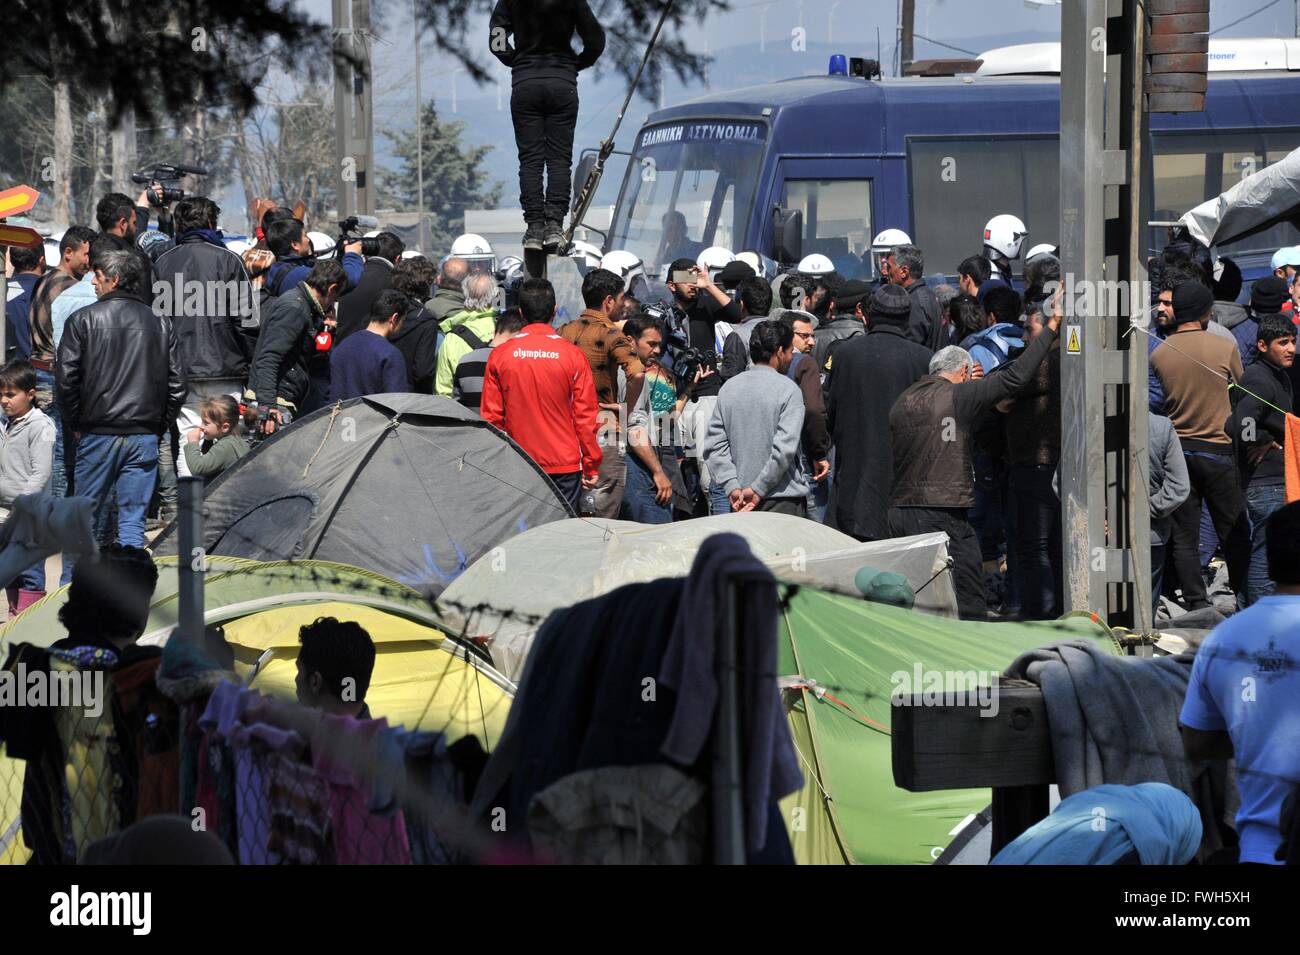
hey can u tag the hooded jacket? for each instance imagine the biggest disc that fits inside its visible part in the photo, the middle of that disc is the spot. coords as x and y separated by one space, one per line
995 345
26 455
418 343
535 38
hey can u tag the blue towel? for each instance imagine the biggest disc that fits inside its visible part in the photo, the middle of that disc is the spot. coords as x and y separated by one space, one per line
1101 825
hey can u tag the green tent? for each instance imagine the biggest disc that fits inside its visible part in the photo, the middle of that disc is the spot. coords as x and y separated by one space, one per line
849 810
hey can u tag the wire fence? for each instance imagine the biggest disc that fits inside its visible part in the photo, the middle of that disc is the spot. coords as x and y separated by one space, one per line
99 741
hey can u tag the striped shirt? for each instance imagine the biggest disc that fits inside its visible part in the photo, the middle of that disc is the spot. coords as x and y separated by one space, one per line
467 379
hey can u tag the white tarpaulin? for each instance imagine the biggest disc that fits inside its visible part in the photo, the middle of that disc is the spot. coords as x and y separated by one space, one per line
564 562
1273 191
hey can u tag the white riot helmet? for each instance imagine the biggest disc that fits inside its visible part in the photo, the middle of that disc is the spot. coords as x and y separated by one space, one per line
886 240
511 269
320 243
715 257
475 250
755 261
1005 234
411 254
587 254
1043 248
627 266
815 264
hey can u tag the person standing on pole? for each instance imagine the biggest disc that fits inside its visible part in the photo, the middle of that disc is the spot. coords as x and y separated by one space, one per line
544 101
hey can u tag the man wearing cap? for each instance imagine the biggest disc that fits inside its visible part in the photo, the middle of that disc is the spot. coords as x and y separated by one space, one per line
932 429
1195 368
905 267
1286 262
839 319
872 370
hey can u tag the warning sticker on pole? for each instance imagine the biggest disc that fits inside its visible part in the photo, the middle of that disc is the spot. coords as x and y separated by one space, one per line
1073 340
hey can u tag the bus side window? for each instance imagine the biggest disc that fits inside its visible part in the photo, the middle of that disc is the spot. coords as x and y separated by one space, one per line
836 220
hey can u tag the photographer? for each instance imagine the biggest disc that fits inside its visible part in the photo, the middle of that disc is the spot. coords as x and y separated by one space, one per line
653 474
381 253
287 240
280 377
697 307
216 328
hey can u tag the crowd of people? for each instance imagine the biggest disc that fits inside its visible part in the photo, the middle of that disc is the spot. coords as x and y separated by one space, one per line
883 408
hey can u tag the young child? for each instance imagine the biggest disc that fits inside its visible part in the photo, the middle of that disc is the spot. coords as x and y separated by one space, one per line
221 444
26 463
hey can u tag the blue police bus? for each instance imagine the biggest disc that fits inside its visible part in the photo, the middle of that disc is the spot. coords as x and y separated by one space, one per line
934 156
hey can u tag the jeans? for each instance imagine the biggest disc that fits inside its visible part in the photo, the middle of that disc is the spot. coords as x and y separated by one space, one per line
993 519
1261 501
1037 530
605 499
45 393
117 468
544 112
1213 479
719 500
169 450
639 495
963 548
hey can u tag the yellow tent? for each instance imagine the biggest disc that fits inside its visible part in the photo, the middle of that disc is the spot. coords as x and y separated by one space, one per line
423 678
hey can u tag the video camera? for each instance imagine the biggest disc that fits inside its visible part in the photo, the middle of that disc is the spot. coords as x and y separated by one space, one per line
351 229
163 173
685 357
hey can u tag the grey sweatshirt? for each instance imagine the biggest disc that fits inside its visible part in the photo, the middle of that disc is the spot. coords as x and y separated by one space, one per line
26 456
753 436
1168 481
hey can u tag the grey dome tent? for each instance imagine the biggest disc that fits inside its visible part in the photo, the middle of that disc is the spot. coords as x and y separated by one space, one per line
415 487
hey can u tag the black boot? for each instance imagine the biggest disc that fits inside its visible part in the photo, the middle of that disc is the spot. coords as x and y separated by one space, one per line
534 237
554 238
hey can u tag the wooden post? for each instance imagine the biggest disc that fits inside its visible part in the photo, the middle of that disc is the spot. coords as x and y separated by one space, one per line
955 745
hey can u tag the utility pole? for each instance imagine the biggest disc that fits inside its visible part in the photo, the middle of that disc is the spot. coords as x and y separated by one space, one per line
907 31
419 126
344 162
364 125
1105 516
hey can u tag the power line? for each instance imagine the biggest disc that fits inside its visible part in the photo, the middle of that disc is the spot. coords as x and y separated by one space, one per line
1271 3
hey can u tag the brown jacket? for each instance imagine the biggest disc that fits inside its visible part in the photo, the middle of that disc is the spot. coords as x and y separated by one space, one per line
606 349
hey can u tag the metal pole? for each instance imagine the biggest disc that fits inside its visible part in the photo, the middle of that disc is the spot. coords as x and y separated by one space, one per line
193 563
4 297
419 124
363 112
1083 475
728 809
343 161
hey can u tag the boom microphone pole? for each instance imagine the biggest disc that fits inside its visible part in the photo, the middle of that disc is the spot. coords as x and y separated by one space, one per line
588 191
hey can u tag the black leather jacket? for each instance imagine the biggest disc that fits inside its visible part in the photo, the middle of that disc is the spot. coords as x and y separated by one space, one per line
205 290
119 368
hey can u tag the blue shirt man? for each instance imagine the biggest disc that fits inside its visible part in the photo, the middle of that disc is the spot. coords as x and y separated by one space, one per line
1243 700
367 363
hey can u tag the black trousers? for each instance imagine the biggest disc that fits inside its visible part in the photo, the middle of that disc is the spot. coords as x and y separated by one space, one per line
544 112
963 548
1214 480
794 506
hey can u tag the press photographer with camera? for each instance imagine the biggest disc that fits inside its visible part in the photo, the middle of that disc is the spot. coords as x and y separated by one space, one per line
294 329
381 253
288 242
698 305
204 289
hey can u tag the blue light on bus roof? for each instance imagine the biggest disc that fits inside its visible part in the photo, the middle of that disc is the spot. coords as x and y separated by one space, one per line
839 65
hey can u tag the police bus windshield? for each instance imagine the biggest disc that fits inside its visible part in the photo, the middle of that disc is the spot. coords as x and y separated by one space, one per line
689 186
